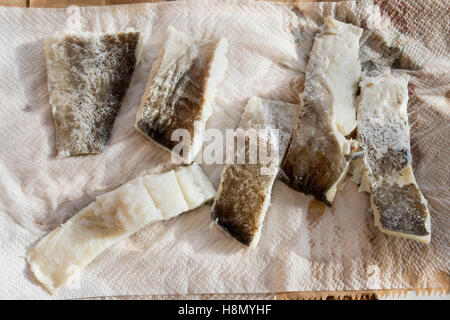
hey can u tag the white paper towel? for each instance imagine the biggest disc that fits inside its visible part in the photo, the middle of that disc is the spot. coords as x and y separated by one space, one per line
311 249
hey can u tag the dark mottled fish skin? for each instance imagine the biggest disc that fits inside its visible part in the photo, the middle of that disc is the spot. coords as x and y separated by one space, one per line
315 160
393 135
383 132
164 112
401 208
245 190
94 74
237 210
182 86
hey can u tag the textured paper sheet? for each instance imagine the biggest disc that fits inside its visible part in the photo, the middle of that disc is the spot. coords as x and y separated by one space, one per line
304 246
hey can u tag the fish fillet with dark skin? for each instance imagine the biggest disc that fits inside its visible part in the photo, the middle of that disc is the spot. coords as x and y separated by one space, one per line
399 207
316 162
245 189
88 77
182 86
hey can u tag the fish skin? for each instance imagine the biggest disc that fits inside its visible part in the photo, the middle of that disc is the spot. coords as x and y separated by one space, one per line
88 77
154 122
399 207
179 92
244 193
316 159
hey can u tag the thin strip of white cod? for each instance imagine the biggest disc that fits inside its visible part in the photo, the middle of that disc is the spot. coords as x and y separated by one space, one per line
88 77
399 207
179 95
62 255
316 162
245 189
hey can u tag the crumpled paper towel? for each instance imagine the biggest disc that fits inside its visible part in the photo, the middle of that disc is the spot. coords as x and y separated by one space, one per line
304 246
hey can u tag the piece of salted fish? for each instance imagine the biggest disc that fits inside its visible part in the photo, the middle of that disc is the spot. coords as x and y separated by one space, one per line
182 86
62 255
244 193
383 132
316 160
88 76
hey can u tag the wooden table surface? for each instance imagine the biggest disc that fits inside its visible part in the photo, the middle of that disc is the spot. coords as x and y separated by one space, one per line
66 3
330 295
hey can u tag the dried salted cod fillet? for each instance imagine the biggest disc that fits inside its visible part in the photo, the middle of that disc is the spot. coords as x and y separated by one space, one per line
194 185
383 131
316 160
88 76
182 86
243 197
64 253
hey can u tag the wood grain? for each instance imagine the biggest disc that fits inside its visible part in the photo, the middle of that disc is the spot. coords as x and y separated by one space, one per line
13 3
66 3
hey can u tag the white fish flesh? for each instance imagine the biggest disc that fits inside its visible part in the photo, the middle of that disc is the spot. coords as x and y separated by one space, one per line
62 255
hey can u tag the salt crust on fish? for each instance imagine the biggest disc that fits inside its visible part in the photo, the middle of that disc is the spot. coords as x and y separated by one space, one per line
88 77
398 205
63 254
316 161
245 190
181 89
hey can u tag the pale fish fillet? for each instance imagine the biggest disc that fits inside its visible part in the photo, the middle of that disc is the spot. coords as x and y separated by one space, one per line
383 131
88 76
244 193
62 255
316 160
182 86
